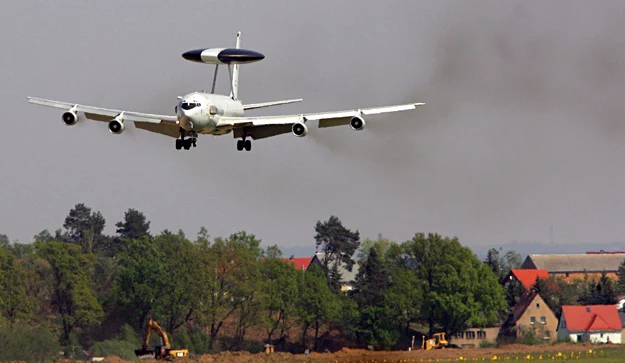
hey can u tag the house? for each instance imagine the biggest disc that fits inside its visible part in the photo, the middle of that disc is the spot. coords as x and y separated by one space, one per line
527 278
530 315
576 266
591 323
473 337
348 277
300 263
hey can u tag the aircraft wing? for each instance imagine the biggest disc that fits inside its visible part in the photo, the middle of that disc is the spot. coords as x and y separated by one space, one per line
269 104
162 124
267 126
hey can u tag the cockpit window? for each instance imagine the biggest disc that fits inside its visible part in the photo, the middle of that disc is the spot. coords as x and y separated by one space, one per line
189 105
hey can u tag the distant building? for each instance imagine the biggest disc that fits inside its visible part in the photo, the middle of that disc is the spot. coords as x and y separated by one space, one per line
533 315
473 337
527 278
576 266
300 263
591 323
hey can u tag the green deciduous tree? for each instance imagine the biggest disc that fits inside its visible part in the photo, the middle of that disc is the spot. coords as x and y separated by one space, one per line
28 344
458 289
382 245
279 295
273 251
403 297
141 279
15 304
227 268
181 292
317 305
72 294
248 241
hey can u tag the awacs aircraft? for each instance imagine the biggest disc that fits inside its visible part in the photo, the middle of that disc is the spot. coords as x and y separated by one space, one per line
213 114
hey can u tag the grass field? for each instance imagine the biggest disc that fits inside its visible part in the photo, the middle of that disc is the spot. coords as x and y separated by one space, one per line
599 354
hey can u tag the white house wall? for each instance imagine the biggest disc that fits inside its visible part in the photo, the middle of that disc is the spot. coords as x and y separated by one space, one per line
616 337
602 337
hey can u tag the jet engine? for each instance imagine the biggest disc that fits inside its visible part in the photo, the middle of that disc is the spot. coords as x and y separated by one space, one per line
116 126
70 118
357 123
299 129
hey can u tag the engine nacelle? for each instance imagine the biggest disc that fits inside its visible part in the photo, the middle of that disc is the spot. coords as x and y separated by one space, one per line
299 129
116 126
70 118
357 123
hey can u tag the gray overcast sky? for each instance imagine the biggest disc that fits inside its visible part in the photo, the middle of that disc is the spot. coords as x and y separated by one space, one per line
523 128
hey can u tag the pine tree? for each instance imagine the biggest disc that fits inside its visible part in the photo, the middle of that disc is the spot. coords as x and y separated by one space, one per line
620 284
133 226
372 281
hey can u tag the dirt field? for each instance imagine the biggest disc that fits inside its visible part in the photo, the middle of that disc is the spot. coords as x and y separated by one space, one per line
359 355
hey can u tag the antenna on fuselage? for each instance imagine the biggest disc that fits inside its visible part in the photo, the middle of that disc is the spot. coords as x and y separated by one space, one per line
234 77
215 78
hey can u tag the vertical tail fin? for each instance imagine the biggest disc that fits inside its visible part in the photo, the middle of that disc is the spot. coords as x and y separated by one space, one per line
234 94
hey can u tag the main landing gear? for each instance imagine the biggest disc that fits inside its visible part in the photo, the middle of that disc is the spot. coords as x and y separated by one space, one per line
244 144
186 143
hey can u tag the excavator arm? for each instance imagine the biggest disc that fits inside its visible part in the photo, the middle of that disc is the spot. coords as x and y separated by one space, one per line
150 326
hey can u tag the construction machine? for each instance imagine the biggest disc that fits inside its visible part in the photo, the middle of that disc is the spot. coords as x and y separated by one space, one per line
437 341
162 351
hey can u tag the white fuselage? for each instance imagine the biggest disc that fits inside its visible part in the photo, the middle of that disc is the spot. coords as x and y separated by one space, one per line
200 112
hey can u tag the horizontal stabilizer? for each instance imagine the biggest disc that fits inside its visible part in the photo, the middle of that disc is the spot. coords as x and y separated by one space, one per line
269 104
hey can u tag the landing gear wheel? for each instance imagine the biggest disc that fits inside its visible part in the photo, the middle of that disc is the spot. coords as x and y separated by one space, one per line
248 145
240 145
194 142
178 144
187 144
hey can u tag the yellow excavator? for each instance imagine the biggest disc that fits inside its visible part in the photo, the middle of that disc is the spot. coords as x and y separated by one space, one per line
162 351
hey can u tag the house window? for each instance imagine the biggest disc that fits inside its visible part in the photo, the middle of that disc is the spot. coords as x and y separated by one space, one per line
459 335
532 320
481 334
543 320
566 274
547 335
537 306
470 335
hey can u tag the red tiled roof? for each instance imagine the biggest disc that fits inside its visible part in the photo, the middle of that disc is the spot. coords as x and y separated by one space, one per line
591 318
300 263
528 277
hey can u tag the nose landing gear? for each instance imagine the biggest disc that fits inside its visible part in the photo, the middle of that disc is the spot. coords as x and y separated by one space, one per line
244 144
186 143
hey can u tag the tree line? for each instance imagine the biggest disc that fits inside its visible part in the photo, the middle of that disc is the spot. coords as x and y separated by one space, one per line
78 288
